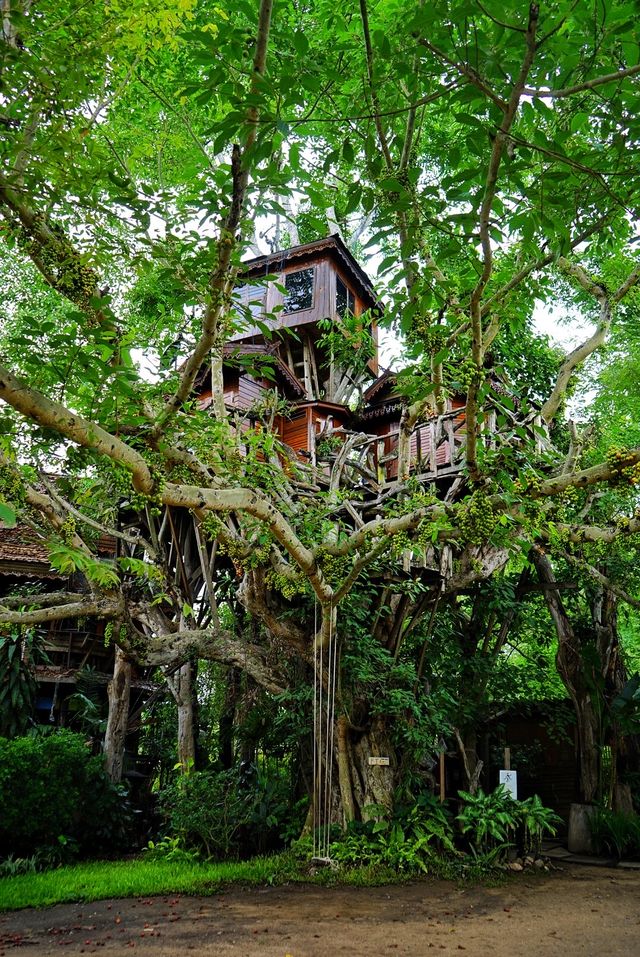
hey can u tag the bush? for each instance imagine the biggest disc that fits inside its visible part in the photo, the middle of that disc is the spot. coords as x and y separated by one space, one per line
416 839
489 820
56 800
615 833
492 822
229 814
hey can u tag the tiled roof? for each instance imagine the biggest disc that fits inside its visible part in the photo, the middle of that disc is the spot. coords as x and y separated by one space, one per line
21 544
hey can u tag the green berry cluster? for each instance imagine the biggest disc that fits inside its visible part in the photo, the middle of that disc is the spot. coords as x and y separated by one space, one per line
430 337
529 482
68 530
477 520
11 486
289 588
621 461
212 527
335 568
69 274
466 373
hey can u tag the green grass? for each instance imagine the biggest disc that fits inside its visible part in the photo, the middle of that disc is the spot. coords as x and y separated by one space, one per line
137 878
142 877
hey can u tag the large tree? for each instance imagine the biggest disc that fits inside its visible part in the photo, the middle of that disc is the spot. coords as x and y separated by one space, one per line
486 151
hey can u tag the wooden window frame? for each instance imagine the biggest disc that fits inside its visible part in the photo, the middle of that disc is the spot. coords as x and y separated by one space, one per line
292 272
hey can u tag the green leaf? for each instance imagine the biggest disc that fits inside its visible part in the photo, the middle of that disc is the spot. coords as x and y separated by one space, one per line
7 515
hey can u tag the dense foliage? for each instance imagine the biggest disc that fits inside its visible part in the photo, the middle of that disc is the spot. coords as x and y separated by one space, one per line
482 154
56 802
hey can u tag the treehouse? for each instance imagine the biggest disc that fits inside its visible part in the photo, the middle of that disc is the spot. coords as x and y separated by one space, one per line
302 315
437 445
296 297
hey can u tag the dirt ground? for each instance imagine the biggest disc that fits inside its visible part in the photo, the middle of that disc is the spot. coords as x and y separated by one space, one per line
575 911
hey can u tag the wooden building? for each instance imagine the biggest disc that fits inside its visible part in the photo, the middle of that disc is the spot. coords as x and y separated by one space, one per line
287 304
290 294
74 649
437 445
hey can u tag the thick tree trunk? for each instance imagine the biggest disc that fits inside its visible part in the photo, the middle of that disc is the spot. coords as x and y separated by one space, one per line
571 668
119 692
593 684
471 763
362 783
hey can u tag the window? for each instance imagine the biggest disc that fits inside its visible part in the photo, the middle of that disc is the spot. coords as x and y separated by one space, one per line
299 286
249 299
345 300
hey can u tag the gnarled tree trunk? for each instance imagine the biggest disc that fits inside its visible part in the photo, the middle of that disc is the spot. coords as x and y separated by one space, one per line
593 685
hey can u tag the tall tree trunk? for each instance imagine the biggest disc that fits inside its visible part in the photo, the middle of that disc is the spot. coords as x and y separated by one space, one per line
471 764
571 668
119 692
361 782
228 718
624 748
181 684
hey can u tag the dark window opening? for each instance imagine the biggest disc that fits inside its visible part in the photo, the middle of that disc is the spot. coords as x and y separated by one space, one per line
299 286
345 299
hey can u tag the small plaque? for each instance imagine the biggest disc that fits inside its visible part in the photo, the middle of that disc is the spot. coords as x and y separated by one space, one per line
379 762
509 779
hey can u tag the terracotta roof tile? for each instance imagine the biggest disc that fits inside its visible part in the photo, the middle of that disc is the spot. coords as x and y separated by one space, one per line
21 544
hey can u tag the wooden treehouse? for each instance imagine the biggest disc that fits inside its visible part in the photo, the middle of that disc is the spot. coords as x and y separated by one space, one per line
286 303
77 652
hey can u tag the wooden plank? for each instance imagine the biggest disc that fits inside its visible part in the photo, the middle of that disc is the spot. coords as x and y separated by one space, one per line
315 381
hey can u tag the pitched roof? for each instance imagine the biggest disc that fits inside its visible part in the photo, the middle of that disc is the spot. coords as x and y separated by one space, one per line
333 245
388 378
232 349
23 552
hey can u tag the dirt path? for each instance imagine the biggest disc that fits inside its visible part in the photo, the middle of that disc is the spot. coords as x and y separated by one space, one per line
578 911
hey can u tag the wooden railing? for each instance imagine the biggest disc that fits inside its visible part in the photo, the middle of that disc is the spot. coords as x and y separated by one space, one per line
437 446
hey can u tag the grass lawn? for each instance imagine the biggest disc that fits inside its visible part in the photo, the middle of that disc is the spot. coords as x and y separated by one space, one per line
142 878
132 878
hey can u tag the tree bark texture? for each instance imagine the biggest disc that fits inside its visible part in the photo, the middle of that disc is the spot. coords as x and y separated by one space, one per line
119 692
181 686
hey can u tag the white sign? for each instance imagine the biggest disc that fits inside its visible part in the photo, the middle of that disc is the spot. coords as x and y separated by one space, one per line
379 762
509 779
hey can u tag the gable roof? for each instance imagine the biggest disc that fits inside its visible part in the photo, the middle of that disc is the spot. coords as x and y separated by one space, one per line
232 350
333 246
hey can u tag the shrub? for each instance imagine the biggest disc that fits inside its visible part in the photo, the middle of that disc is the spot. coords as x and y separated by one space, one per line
489 820
536 820
615 833
56 800
415 840
225 813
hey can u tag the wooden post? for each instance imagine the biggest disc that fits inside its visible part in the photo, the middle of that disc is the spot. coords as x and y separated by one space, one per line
507 759
442 794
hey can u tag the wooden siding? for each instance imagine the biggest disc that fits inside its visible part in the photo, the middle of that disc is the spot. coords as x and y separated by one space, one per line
295 432
324 298
250 391
431 450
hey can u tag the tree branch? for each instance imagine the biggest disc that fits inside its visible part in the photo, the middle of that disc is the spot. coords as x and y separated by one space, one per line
54 415
78 609
581 87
